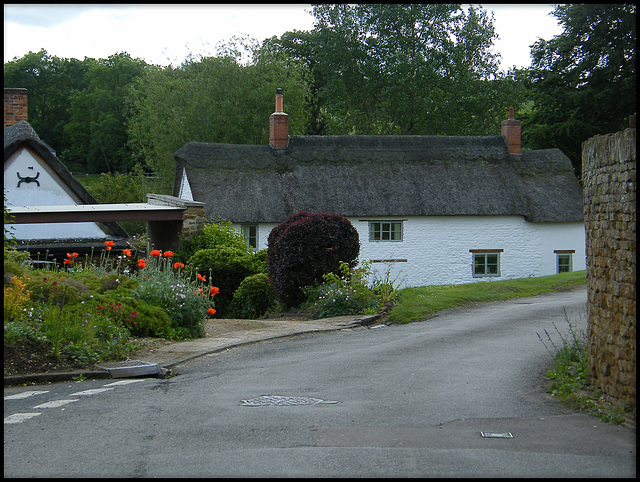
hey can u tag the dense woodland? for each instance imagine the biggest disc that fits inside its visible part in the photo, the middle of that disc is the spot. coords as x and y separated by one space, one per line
416 69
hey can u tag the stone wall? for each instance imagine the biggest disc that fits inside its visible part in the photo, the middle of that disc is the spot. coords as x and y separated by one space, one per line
609 177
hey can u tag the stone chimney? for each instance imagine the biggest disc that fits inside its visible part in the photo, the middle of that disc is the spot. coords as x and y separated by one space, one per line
279 125
511 130
15 106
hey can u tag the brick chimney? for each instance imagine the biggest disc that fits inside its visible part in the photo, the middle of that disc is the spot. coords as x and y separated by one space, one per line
279 125
15 106
511 130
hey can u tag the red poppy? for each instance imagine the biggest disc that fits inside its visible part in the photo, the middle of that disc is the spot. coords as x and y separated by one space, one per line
211 311
156 252
68 261
178 265
167 254
108 244
214 290
127 252
201 278
142 263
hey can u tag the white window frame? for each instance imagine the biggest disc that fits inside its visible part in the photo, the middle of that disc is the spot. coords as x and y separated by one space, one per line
248 237
386 232
562 254
478 254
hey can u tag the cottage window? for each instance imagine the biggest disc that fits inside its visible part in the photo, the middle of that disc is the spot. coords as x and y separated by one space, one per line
564 260
385 230
485 262
250 233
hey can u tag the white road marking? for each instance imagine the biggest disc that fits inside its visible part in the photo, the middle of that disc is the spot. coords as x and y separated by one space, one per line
19 417
22 395
55 403
92 391
124 382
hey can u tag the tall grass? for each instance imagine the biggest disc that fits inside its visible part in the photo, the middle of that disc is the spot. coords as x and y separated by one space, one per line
568 376
421 303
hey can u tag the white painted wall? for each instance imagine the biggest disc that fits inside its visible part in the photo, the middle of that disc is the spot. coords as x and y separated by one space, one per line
49 193
437 248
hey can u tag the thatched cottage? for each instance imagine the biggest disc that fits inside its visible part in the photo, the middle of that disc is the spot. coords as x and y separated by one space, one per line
433 209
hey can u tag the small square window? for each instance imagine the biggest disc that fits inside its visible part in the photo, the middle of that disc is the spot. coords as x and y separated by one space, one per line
564 262
385 230
250 233
486 264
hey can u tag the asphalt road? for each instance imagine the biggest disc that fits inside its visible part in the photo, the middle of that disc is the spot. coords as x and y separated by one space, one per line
398 401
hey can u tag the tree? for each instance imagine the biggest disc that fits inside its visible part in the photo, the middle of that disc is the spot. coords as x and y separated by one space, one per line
97 124
583 81
402 69
49 81
212 99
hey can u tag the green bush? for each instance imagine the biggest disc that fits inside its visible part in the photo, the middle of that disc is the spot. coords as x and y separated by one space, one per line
225 267
253 298
341 295
15 262
181 298
213 235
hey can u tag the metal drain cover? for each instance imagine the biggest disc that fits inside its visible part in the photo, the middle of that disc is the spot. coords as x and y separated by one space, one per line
496 434
266 400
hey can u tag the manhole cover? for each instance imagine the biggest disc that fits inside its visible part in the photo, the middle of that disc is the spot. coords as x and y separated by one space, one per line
266 400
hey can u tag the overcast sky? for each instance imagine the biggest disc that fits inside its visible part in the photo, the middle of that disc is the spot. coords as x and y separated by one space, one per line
166 34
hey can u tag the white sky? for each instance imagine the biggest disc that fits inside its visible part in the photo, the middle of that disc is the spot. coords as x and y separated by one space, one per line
164 34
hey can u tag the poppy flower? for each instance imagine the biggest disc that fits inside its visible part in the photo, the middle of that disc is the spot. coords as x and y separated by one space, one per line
68 261
201 278
178 265
156 252
142 263
214 290
108 244
167 254
211 311
127 252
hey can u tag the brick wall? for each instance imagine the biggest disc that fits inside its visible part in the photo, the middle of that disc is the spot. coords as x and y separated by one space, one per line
15 106
609 176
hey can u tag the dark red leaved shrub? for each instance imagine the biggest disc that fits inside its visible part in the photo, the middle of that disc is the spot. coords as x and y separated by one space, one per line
304 248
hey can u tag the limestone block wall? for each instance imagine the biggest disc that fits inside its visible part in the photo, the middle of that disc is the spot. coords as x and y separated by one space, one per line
609 176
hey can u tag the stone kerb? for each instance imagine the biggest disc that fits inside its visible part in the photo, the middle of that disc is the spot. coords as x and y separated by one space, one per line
609 177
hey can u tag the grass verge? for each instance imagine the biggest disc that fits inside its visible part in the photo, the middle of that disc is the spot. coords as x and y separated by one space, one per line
414 304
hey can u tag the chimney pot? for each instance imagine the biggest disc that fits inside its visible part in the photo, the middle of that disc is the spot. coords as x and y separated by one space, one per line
15 106
511 131
279 124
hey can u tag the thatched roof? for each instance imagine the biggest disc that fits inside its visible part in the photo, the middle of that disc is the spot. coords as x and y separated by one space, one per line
22 133
380 176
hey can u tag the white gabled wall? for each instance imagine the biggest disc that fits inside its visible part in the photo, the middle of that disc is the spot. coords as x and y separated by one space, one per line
49 192
437 249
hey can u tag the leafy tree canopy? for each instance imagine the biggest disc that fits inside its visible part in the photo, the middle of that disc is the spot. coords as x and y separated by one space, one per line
583 81
211 99
402 69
